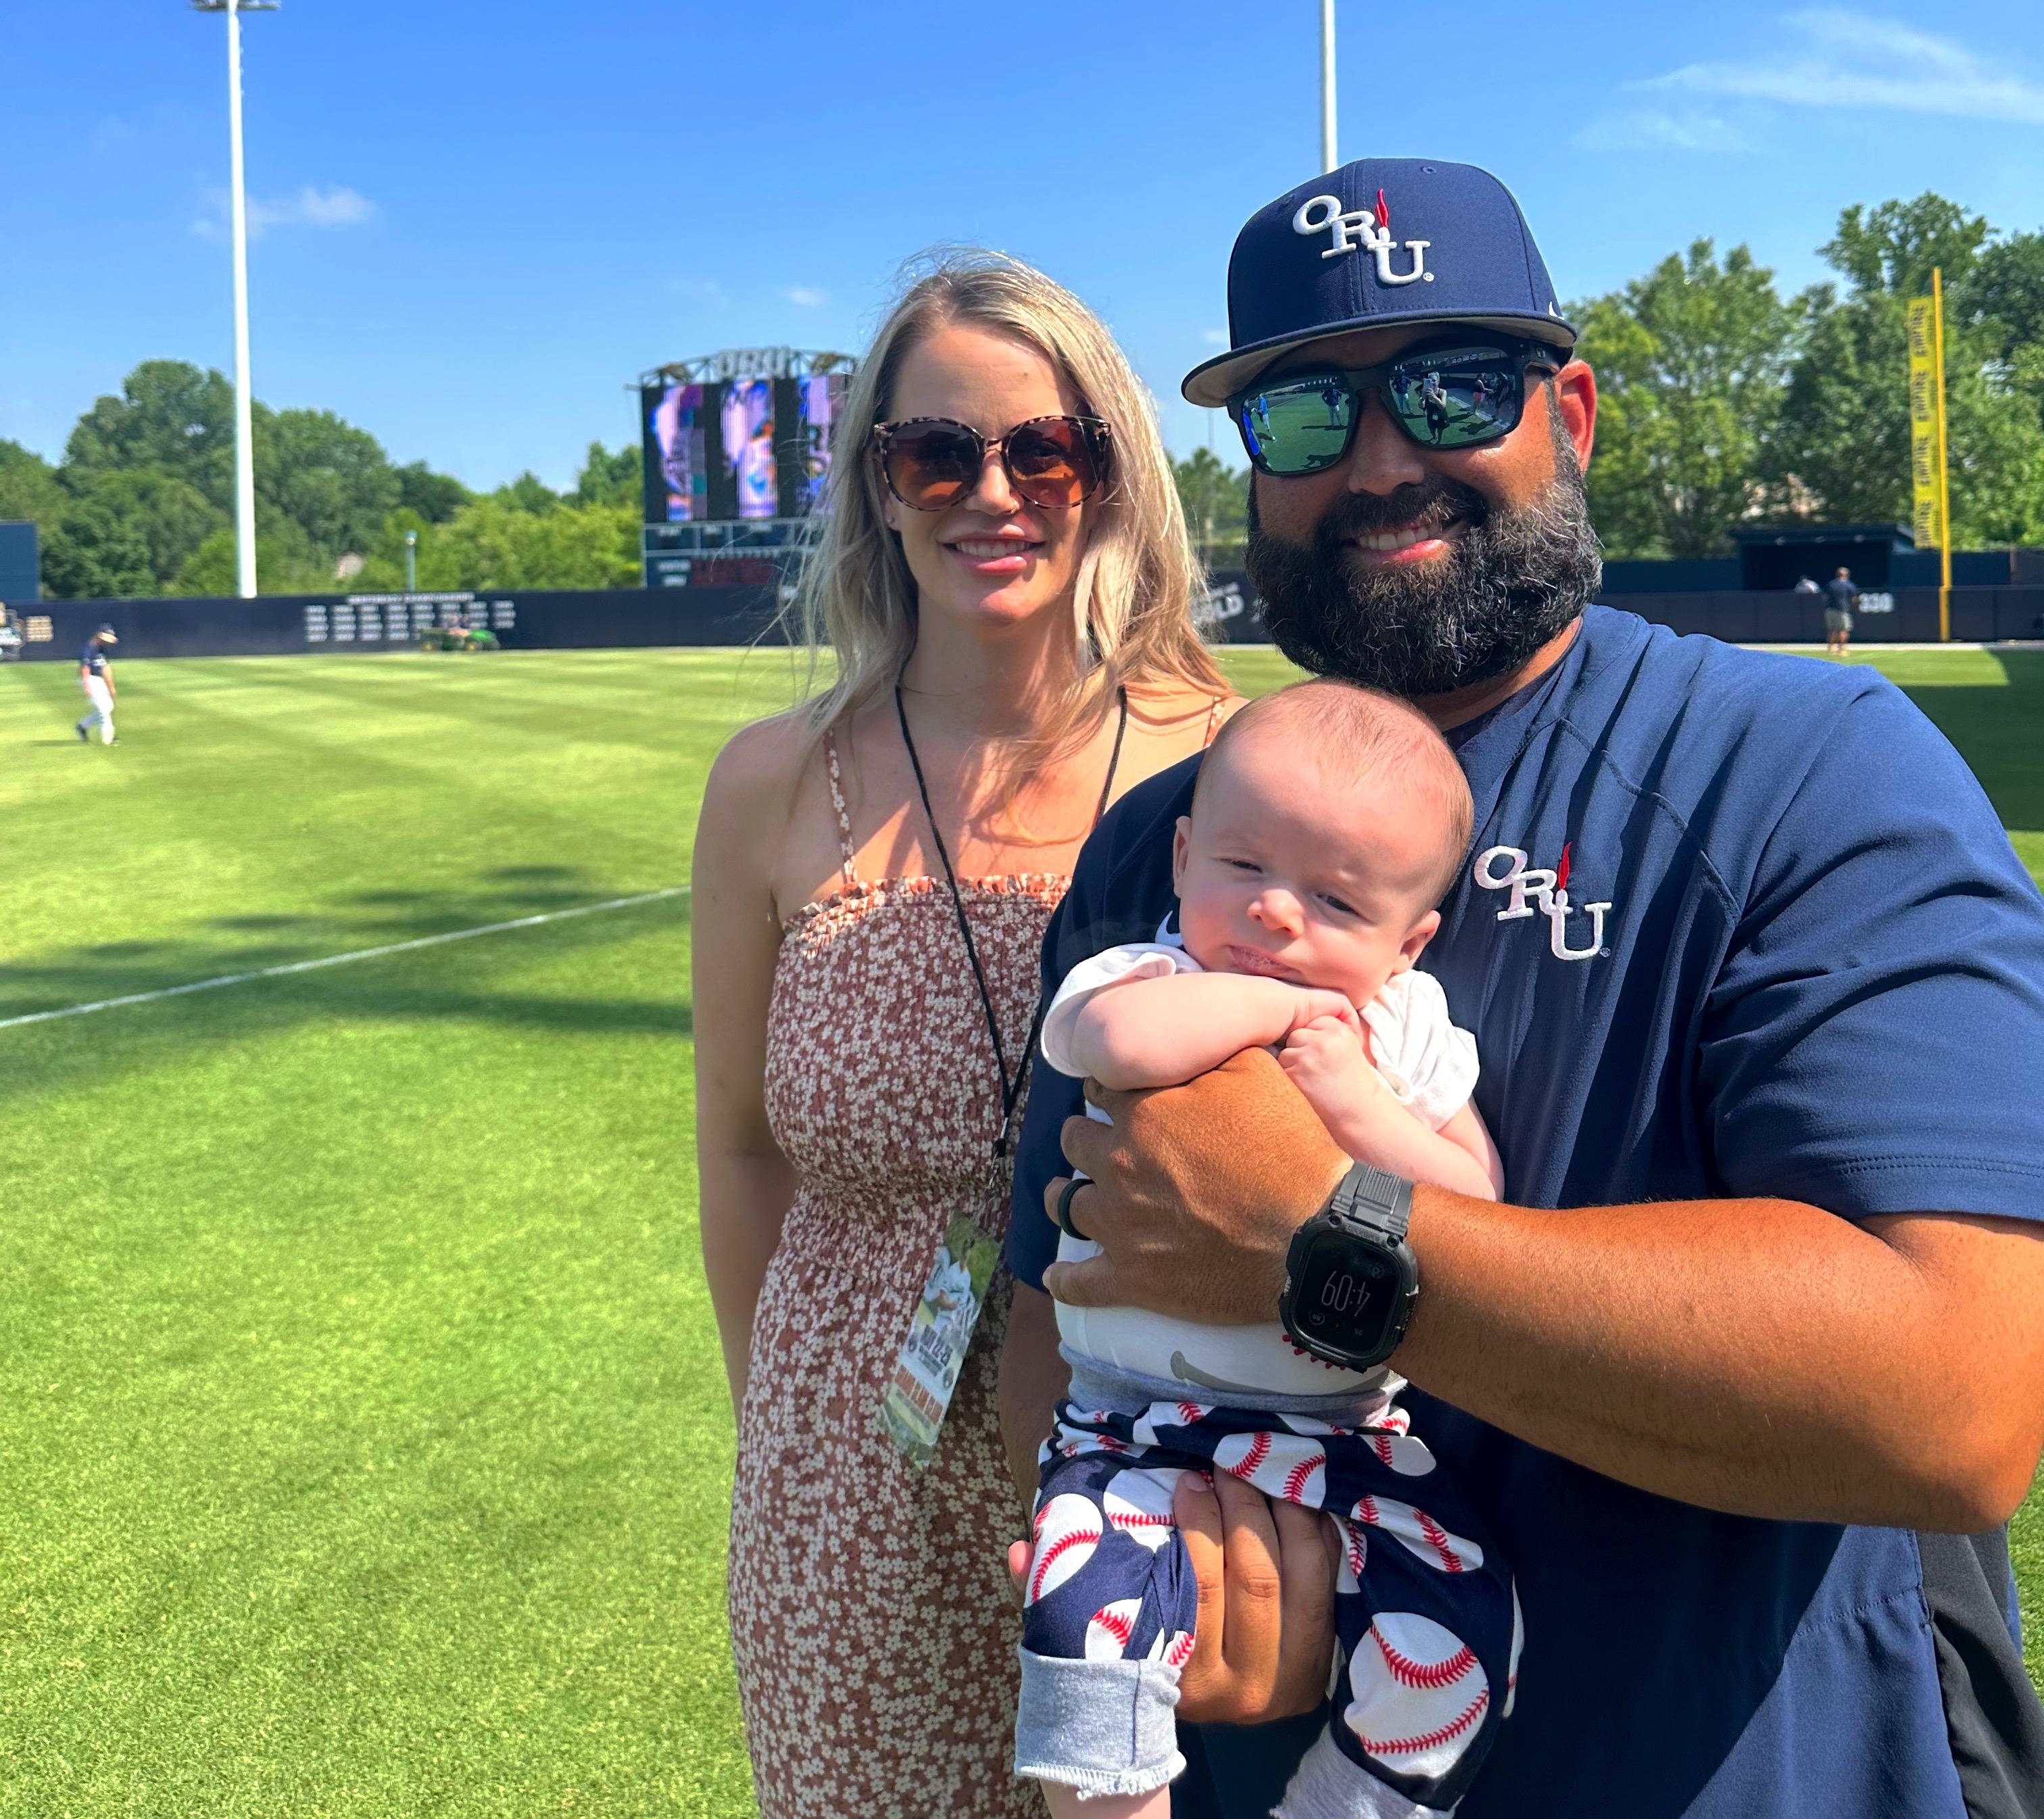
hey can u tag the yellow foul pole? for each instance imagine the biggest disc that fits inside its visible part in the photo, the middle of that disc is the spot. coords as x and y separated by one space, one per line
1944 470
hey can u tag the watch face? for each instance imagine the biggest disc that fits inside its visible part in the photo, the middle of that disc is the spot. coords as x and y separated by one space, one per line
1347 1294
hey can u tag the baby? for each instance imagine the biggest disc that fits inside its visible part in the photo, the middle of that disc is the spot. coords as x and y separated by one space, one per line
1327 823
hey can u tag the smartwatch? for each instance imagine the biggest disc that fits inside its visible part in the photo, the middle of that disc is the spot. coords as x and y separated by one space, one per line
1350 1279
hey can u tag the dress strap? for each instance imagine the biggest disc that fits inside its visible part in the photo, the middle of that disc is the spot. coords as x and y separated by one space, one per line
848 852
1213 722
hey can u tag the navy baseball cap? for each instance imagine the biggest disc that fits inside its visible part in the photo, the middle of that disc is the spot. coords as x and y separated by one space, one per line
1378 243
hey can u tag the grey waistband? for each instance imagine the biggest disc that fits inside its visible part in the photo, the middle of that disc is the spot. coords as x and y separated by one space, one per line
1096 1385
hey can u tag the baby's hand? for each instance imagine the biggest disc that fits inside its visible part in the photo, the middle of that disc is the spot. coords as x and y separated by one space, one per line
1328 1064
1315 1003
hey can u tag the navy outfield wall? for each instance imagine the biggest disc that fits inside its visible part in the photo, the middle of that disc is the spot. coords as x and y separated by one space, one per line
289 624
281 624
1980 615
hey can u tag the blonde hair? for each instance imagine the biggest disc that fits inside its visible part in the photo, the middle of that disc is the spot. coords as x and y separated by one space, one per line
1131 602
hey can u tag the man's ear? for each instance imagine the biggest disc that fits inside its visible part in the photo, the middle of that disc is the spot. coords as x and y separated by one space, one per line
1180 846
1415 943
1573 396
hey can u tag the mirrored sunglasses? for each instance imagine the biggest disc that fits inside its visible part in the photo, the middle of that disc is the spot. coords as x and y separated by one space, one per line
1455 397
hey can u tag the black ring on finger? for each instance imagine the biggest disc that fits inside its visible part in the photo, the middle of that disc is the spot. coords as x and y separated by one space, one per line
1064 1208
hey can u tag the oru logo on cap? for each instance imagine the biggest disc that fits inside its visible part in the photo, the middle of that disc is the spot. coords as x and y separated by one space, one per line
1362 229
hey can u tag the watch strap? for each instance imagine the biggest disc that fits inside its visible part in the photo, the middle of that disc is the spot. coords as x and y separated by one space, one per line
1375 1198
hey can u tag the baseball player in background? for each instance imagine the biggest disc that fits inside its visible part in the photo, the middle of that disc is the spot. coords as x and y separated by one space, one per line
95 676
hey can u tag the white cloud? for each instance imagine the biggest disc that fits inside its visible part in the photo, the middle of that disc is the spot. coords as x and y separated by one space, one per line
1823 57
807 296
1661 129
1836 58
1214 337
308 206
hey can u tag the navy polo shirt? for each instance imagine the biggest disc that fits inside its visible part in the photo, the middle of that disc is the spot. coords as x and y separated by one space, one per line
1731 923
93 658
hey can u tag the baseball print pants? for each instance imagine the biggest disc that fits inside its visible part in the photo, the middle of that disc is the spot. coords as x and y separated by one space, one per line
1425 1615
101 698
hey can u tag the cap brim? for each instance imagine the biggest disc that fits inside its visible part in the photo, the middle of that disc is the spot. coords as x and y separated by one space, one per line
1212 383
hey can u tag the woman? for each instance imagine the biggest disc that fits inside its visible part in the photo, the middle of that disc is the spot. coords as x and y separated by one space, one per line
1006 579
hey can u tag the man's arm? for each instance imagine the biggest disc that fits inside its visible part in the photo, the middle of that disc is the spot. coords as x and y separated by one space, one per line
1033 1379
1760 1356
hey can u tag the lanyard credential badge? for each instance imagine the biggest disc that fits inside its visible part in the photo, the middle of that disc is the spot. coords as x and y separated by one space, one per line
926 1372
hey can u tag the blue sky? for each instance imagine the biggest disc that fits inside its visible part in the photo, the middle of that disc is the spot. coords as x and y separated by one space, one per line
478 222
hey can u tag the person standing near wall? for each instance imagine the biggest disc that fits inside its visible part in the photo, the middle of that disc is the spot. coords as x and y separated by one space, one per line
1840 598
95 676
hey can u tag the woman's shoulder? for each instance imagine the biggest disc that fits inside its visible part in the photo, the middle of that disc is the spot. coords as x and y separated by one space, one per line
757 777
1173 720
768 755
1168 701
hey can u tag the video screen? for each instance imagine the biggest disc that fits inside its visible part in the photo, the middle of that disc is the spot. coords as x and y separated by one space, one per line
746 419
822 400
677 453
741 449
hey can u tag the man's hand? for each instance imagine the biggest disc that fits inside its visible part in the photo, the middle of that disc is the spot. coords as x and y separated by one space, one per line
1265 1573
1195 1192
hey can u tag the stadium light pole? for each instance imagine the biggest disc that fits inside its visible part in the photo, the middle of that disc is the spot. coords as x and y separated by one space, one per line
244 452
1327 160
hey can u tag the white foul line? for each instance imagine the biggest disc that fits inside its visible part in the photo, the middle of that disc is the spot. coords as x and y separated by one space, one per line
342 959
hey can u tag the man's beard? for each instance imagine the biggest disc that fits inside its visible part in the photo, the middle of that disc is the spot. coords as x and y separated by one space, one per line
1511 580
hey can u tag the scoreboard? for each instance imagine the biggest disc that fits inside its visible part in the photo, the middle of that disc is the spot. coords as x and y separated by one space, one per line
740 436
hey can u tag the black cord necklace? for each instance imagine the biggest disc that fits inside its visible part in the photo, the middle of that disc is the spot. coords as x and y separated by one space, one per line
1011 1091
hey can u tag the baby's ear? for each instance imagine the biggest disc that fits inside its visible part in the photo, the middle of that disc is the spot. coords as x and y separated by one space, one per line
1181 844
1416 938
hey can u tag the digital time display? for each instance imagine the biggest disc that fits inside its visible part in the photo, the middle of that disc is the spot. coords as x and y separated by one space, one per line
1346 1300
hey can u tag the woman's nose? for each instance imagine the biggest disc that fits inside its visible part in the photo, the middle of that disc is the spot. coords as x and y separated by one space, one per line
991 493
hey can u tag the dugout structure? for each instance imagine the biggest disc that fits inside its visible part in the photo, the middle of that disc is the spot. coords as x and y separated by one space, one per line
737 446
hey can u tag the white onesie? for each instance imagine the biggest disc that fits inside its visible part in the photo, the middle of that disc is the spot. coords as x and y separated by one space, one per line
1430 1068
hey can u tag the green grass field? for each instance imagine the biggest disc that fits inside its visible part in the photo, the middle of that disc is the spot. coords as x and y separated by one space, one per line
363 1447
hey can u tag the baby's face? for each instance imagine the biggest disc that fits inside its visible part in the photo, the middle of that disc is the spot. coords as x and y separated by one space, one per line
1282 872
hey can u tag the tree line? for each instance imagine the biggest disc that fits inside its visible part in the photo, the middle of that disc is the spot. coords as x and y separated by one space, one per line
1724 402
142 504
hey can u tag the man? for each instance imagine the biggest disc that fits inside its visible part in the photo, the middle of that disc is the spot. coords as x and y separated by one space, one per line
1434 395
1840 598
1747 1372
95 676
